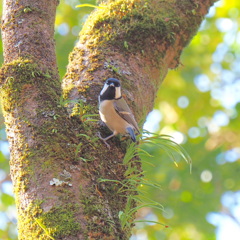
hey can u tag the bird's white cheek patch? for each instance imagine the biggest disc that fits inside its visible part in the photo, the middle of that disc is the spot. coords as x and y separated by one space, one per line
104 89
118 92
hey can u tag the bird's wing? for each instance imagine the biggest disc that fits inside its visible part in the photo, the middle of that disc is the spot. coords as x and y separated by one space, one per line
124 111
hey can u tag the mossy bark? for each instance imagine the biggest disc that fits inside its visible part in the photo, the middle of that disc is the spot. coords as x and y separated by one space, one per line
57 161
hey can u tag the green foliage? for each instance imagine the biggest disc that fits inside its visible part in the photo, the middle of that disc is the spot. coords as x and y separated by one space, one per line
69 21
81 110
191 113
165 143
136 183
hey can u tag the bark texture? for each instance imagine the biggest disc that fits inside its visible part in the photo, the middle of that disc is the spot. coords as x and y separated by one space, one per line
61 171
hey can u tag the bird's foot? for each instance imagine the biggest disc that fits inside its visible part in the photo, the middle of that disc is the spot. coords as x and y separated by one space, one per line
104 140
101 123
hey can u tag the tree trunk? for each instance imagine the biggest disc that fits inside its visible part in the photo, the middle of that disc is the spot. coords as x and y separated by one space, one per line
67 184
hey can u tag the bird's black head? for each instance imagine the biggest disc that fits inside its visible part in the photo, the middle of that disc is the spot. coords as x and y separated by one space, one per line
111 89
113 82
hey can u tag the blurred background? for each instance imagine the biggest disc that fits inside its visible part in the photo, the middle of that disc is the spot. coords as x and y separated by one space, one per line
198 104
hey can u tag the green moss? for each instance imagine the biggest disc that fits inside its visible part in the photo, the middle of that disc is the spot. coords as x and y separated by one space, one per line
12 96
83 111
94 67
26 221
132 25
17 76
67 90
44 122
97 216
60 221
130 22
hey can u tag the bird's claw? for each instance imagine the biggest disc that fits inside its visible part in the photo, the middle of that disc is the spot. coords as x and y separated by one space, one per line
99 135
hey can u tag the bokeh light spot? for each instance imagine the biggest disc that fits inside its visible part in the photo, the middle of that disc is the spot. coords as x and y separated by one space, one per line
224 24
202 122
206 176
168 213
220 159
63 29
178 137
183 102
202 82
221 118
152 122
194 132
232 155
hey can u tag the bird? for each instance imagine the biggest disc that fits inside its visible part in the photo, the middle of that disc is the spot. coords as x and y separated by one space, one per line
115 112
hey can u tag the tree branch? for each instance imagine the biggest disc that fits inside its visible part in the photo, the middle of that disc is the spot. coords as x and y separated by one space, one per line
27 32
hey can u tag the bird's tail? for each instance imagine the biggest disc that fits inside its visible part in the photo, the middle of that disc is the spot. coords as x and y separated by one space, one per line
131 133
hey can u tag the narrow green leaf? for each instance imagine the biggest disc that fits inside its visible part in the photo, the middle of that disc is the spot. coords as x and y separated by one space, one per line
43 227
88 5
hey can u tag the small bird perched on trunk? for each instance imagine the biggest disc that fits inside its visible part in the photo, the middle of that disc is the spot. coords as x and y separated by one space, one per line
115 112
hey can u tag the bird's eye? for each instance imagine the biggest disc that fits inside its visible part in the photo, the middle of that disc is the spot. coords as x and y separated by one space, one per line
111 83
